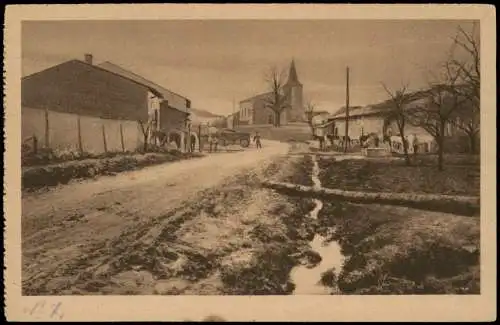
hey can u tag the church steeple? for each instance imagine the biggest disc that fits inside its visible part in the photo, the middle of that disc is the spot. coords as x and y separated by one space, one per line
293 79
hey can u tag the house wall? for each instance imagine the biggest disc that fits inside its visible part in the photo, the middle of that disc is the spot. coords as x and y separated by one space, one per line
63 131
176 101
360 125
171 118
264 115
79 88
246 112
230 122
296 113
154 109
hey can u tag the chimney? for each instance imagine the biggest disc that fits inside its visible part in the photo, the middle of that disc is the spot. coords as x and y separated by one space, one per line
88 58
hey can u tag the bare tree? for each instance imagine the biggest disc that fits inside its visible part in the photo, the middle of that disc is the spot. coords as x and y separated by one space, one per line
146 131
277 100
399 100
310 109
443 103
470 76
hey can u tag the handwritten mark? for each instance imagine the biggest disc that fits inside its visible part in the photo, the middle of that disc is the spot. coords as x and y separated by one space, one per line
42 308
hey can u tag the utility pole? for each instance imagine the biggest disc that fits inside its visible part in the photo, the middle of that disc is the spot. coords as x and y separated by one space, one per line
347 112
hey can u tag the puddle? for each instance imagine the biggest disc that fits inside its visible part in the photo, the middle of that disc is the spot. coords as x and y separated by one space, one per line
308 280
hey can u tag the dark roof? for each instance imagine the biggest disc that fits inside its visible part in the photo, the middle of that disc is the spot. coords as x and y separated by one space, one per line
94 67
257 97
293 79
383 107
109 66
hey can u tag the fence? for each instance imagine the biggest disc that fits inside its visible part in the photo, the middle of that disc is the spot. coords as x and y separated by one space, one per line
63 131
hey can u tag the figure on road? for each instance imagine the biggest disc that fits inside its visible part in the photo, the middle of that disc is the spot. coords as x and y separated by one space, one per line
193 143
256 139
415 144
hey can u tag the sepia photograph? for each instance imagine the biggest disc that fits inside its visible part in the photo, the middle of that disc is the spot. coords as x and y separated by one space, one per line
250 157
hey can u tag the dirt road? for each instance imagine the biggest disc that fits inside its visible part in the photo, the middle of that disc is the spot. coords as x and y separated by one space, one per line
82 232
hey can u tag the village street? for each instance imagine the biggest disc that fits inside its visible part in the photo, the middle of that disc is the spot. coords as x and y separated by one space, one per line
80 226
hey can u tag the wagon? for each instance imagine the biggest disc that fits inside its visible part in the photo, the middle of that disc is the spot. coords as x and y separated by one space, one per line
227 137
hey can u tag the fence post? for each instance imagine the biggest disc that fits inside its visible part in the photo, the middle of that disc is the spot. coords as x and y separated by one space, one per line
80 145
47 139
35 144
199 138
104 139
121 138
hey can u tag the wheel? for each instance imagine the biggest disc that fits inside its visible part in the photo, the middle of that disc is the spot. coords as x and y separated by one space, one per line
244 143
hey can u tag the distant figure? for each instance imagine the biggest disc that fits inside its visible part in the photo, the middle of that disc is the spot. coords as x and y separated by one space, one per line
256 139
415 144
321 143
213 143
193 142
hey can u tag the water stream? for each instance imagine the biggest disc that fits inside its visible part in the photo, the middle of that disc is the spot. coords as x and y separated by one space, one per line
307 279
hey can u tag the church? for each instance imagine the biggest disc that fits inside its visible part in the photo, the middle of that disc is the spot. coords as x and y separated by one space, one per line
253 110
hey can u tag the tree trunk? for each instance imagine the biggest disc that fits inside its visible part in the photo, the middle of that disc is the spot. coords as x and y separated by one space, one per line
145 148
405 145
277 119
463 205
472 142
440 142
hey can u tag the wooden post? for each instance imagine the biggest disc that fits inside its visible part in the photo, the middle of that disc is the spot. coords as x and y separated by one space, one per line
80 146
199 138
121 138
104 139
346 144
35 144
47 139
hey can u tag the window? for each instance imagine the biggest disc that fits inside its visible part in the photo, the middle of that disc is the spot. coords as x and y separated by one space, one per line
270 119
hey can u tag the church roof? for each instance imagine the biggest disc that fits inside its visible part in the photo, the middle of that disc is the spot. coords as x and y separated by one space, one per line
293 79
257 97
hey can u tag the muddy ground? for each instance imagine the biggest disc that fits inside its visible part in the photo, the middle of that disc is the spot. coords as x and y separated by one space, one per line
399 250
232 238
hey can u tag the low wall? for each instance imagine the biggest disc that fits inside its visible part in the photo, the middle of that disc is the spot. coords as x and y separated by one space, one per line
63 131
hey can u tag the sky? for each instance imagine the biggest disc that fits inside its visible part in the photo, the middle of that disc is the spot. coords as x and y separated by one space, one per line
216 62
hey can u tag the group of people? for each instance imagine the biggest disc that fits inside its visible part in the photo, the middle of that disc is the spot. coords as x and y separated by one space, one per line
213 141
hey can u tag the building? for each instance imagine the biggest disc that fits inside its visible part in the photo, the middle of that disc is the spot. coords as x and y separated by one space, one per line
233 120
254 110
80 87
105 91
172 112
373 120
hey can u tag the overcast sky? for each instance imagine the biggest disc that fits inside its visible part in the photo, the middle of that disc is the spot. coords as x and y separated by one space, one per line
213 61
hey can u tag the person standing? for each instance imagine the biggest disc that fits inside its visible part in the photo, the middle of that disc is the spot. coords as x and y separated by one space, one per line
209 142
415 144
256 139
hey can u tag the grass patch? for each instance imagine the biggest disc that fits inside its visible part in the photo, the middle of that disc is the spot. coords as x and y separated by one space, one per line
396 250
460 177
34 177
303 169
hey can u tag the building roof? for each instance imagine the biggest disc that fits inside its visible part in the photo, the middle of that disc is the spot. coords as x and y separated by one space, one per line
257 97
293 79
382 107
75 61
165 93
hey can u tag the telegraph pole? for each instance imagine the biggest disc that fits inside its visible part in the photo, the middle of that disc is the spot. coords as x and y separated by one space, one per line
347 112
